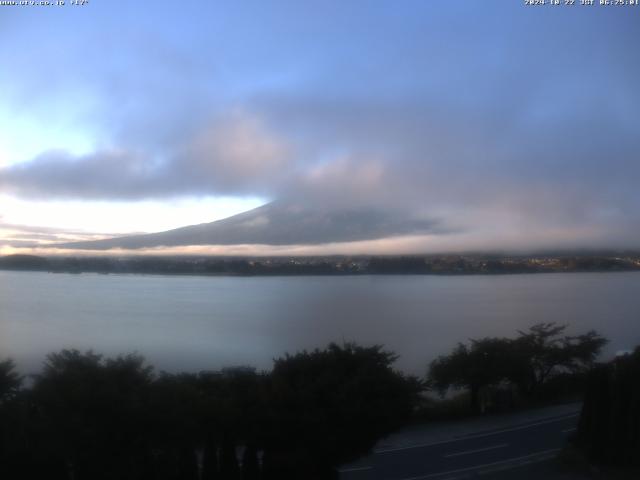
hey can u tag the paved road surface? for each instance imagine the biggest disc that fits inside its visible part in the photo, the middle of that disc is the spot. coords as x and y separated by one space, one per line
463 457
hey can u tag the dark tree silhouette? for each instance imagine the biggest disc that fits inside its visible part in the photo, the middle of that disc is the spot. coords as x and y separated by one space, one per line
89 417
10 380
528 362
90 414
235 419
331 406
609 427
543 351
174 407
13 437
484 362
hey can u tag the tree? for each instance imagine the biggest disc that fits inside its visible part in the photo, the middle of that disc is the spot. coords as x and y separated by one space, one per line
484 362
91 414
174 409
10 380
543 351
330 406
12 434
528 362
609 426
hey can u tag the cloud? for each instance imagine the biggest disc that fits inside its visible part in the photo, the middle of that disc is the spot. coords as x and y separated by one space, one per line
496 118
235 154
17 236
427 162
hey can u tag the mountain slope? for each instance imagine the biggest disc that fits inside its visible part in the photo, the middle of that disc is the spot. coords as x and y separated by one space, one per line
274 224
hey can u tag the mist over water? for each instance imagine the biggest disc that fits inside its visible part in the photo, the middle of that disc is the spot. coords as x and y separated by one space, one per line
195 323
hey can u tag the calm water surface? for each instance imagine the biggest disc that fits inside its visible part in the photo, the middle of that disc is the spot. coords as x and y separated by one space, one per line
199 323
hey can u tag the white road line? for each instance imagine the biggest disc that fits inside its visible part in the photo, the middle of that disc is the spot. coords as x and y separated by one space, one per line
354 469
485 465
568 430
480 435
468 452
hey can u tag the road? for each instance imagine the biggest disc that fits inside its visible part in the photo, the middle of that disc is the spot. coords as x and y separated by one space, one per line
485 452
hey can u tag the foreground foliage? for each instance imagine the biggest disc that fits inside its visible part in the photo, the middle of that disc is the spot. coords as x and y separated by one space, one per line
609 427
526 363
90 417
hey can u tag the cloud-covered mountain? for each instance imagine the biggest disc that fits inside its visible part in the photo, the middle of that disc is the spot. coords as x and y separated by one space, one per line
276 224
242 101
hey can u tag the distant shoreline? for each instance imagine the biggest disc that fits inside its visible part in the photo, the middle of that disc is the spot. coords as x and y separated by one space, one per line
326 266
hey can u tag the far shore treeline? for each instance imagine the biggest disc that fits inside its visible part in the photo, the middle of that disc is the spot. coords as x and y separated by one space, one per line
329 265
85 416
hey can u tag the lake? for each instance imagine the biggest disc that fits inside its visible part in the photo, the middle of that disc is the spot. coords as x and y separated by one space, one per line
195 323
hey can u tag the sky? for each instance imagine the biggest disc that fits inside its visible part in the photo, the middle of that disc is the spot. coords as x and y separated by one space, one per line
508 126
